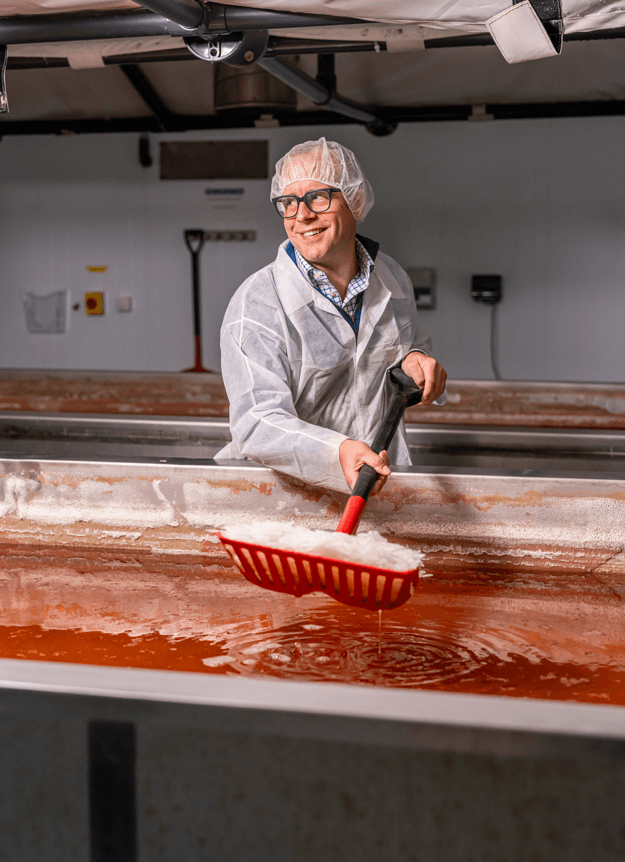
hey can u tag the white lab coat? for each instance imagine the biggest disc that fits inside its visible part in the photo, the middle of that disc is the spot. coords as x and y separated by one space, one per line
298 379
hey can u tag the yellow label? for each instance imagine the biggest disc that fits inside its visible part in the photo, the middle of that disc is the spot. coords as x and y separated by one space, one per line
97 268
94 302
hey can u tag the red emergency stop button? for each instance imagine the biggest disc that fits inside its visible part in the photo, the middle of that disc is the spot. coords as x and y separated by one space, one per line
94 302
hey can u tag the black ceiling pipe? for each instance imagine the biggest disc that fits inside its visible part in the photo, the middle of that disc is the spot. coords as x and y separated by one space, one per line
188 13
277 48
320 95
148 94
326 71
25 29
246 119
245 18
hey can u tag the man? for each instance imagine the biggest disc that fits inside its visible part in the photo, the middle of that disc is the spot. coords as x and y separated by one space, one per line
307 341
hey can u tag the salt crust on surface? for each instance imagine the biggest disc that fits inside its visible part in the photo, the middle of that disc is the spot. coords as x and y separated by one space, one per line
368 548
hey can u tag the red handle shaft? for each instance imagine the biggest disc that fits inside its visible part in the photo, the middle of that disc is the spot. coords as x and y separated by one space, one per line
351 515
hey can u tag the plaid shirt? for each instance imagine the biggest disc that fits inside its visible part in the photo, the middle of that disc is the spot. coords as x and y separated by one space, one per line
358 284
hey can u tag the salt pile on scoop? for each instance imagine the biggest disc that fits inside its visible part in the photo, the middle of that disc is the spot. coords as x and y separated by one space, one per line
369 548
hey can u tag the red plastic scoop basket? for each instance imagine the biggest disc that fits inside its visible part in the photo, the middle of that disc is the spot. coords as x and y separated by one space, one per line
297 574
352 583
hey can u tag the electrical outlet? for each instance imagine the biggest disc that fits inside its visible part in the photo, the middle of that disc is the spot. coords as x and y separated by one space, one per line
123 303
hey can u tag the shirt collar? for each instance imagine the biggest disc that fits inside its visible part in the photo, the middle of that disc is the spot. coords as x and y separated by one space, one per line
366 252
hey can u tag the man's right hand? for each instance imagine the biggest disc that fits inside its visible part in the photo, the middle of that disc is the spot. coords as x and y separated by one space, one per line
354 453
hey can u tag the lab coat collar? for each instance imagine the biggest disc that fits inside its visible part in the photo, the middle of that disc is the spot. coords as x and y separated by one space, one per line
295 291
293 288
382 288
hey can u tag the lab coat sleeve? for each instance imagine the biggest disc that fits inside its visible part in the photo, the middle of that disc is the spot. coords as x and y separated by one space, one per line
263 420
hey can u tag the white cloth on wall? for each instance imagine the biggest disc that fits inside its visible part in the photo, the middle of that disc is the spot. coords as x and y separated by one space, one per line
45 314
298 379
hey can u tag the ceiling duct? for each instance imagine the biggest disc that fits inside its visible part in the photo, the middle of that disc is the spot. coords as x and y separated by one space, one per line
239 87
247 49
239 81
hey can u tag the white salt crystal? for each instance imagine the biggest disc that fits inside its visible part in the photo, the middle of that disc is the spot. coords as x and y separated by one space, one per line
368 548
217 660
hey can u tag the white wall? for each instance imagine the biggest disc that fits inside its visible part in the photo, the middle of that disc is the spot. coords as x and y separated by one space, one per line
542 202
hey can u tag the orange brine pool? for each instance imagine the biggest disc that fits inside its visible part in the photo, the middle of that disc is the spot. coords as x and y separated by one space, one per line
545 635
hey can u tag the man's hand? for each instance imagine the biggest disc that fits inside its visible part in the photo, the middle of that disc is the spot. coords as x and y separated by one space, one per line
354 453
427 374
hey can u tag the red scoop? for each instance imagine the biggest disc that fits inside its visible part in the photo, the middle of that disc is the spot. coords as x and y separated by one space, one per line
352 583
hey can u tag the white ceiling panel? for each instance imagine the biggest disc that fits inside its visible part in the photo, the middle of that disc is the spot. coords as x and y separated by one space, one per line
50 94
586 71
184 87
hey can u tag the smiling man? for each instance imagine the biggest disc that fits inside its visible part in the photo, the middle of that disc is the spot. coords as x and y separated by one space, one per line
307 341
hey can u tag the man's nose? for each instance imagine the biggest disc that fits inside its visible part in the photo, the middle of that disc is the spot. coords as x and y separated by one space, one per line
303 213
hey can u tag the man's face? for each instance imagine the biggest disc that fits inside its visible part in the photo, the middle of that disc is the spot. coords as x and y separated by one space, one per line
320 237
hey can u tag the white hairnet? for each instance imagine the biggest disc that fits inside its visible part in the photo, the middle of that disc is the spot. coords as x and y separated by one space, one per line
329 163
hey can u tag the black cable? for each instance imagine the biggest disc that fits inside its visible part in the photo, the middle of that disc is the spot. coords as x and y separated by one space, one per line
494 341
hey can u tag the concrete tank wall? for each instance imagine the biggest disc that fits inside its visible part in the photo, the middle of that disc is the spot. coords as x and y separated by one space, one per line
229 770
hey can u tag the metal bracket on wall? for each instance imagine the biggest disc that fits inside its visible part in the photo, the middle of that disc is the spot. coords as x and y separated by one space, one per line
4 102
229 235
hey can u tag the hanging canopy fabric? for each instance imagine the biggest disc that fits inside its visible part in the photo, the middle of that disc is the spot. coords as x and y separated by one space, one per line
526 30
457 15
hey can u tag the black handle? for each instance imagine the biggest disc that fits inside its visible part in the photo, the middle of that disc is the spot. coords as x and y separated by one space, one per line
406 393
195 240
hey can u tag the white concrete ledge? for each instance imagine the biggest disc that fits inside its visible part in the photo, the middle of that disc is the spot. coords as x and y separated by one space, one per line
328 711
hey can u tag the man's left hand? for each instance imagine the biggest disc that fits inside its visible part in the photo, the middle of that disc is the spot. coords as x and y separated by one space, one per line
427 374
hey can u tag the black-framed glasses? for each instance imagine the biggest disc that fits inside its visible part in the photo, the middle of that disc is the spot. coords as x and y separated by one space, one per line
317 201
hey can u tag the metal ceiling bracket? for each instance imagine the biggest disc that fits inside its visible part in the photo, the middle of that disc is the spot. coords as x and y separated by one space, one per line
4 102
236 49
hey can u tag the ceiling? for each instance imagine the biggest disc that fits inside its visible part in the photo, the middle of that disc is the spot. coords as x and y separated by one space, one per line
84 86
